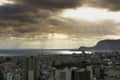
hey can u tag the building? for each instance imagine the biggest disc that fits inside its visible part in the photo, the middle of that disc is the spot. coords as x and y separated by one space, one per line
73 73
97 72
16 77
30 68
63 74
8 69
9 76
82 74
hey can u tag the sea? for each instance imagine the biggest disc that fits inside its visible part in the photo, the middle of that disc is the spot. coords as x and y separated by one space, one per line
22 52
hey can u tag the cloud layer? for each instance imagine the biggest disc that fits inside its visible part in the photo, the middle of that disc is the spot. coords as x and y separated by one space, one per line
51 4
113 5
30 18
21 16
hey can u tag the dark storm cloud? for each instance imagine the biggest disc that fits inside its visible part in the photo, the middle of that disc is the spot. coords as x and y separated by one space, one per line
51 4
10 9
17 19
14 15
38 17
113 5
33 16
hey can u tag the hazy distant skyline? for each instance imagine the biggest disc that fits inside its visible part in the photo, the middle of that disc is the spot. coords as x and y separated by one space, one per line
56 24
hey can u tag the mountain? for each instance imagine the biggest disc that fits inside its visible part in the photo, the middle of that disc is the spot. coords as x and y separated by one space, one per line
108 45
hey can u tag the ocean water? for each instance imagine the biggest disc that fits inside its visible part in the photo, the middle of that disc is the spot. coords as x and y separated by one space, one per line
22 52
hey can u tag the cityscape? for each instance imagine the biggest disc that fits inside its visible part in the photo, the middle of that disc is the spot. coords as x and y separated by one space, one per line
80 66
59 39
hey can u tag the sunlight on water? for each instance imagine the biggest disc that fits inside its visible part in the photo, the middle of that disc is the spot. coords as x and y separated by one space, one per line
70 52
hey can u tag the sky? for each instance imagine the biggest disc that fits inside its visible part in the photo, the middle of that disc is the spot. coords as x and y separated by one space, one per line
57 24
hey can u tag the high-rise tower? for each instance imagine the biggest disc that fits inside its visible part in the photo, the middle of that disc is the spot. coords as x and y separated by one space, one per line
30 68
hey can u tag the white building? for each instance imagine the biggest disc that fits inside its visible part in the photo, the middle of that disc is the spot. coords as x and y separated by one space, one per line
16 77
9 76
30 75
7 68
63 74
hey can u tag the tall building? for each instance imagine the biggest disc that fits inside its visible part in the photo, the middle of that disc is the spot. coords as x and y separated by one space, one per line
16 76
30 68
8 69
80 75
9 76
63 74
73 73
